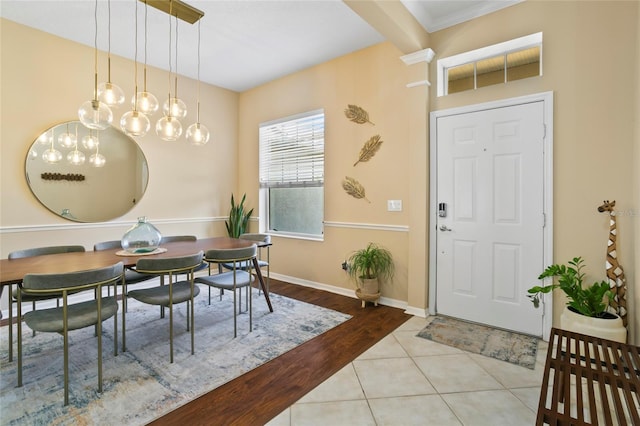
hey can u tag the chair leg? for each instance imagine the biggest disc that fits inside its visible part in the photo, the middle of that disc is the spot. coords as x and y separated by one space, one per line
235 315
66 368
19 342
10 324
99 327
171 330
33 308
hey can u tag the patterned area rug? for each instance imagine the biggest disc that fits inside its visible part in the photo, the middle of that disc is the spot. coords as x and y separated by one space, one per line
141 385
504 345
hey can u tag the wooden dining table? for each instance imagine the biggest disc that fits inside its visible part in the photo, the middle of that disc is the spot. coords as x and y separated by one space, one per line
13 271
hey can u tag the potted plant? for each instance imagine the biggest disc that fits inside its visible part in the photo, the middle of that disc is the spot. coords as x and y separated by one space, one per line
587 306
368 266
238 218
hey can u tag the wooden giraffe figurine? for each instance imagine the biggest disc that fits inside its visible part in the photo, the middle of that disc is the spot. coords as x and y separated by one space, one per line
615 273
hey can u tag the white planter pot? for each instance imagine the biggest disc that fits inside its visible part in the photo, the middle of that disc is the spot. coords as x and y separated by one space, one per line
606 328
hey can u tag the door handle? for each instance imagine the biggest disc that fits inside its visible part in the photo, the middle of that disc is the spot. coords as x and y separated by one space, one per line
444 228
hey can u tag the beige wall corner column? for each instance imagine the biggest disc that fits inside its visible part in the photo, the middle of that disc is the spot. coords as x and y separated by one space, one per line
418 272
633 284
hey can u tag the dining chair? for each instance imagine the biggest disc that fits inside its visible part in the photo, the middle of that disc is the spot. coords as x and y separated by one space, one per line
71 316
264 243
234 280
131 276
170 294
13 297
179 238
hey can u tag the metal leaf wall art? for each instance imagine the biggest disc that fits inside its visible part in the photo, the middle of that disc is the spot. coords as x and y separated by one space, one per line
357 114
369 149
354 188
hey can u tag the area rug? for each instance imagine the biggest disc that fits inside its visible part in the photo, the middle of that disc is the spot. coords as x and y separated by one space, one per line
141 384
500 344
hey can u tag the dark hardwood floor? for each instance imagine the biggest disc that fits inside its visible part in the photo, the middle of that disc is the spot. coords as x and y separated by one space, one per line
261 394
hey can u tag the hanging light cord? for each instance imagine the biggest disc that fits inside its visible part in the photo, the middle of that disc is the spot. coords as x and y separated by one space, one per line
135 64
170 12
145 43
176 74
95 53
198 86
109 44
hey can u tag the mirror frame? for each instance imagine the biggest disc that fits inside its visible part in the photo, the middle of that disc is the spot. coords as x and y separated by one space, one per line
85 193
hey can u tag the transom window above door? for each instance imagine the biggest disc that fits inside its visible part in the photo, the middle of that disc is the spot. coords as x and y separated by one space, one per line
500 63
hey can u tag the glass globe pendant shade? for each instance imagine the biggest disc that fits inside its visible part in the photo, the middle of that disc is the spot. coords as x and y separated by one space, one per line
147 103
90 141
52 156
95 115
76 157
111 94
45 139
197 134
135 123
169 128
97 160
174 107
67 140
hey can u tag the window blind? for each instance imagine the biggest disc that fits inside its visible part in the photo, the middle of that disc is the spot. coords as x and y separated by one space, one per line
292 151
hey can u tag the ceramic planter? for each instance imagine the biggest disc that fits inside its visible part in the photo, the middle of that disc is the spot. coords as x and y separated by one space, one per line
606 328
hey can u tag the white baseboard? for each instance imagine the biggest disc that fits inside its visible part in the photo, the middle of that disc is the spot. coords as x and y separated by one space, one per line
336 290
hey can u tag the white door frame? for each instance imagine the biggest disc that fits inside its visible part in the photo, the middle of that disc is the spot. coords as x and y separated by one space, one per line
547 99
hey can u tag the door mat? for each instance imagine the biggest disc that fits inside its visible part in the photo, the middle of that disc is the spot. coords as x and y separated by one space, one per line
500 344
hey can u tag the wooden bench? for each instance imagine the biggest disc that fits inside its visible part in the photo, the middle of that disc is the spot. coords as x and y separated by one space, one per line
589 381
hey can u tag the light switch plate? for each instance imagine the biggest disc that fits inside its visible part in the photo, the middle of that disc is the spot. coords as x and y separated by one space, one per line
394 205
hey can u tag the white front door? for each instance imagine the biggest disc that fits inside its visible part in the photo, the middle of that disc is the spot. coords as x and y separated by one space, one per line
490 241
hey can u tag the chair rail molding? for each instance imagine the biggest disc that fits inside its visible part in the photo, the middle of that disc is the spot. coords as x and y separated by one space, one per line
97 225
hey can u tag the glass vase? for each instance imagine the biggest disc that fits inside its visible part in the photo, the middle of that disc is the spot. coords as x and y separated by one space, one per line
143 237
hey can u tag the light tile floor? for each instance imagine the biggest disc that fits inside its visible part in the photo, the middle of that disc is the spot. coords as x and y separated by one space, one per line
407 380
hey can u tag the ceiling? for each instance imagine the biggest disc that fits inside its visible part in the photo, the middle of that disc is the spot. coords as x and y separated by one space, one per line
244 43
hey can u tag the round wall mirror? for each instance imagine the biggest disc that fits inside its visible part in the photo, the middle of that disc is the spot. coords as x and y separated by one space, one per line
86 175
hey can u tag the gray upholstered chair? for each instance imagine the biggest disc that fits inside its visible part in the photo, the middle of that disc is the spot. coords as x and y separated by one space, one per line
179 238
13 297
172 293
71 316
265 239
131 276
234 280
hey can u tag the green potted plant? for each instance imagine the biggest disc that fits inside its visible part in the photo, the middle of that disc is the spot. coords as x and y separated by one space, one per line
587 306
238 218
368 266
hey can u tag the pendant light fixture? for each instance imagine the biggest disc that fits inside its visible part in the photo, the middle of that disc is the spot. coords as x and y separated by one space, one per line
52 155
135 123
175 106
169 127
67 139
76 157
198 134
90 141
109 93
95 114
145 101
97 159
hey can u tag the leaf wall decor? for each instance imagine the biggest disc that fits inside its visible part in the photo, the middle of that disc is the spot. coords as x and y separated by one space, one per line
369 149
354 188
357 114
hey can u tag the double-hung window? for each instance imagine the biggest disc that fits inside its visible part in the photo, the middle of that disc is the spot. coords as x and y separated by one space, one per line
292 175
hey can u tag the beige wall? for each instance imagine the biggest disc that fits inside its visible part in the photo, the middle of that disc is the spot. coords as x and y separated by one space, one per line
590 63
374 79
44 80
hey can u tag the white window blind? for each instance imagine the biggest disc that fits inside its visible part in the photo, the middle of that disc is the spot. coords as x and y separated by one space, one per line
292 151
